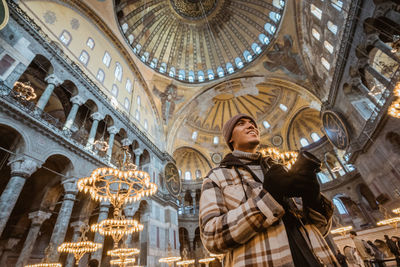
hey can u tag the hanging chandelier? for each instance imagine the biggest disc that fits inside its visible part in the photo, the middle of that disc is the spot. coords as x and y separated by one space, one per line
44 265
122 262
185 262
117 228
81 247
342 230
396 211
170 259
394 109
123 252
24 91
220 257
390 221
101 145
285 158
207 260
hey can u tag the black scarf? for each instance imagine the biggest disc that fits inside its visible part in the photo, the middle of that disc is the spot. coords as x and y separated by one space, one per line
301 253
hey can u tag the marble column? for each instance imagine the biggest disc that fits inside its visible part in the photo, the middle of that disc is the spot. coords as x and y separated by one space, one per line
138 152
11 243
21 169
52 81
364 63
37 218
130 211
183 203
364 90
92 135
77 226
76 102
112 131
329 170
374 40
193 194
64 215
98 238
340 162
144 238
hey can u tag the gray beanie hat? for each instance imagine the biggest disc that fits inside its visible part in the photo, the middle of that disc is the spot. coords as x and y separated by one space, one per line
231 123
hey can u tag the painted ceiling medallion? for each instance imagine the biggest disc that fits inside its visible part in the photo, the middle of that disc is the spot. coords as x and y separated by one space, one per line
196 41
194 9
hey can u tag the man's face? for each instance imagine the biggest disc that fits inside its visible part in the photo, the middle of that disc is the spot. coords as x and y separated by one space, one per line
245 135
352 236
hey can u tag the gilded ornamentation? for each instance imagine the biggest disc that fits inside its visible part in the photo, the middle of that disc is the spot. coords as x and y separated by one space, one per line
194 9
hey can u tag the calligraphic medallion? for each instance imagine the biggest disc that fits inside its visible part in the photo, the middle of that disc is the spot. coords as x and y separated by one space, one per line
172 179
335 129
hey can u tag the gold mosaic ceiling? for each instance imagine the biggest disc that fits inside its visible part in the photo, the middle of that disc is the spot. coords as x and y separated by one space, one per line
189 159
196 41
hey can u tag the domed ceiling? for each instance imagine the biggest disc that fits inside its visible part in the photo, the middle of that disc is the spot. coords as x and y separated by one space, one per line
190 160
197 41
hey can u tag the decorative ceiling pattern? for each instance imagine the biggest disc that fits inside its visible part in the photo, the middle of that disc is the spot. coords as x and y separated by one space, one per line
189 159
198 41
306 122
232 98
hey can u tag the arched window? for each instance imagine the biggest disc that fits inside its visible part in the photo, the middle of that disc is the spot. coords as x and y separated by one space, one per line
191 76
304 142
188 175
153 63
266 125
114 90
278 3
146 125
229 68
283 107
131 38
270 28
163 67
256 48
238 62
247 56
315 137
264 39
181 75
316 34
127 104
137 115
325 63
180 173
328 46
172 72
107 59
84 57
340 206
137 48
65 37
316 11
100 75
118 71
216 140
337 4
128 86
198 174
138 101
194 136
90 43
210 74
145 57
220 72
125 27
332 27
274 16
200 76
323 178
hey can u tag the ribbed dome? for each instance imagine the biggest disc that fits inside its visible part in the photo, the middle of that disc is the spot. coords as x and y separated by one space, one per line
197 41
190 160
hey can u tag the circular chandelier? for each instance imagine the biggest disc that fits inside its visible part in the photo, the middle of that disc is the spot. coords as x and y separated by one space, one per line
81 247
390 221
220 257
185 262
44 265
122 262
24 91
117 186
394 109
117 228
284 158
342 230
101 145
396 211
206 260
123 252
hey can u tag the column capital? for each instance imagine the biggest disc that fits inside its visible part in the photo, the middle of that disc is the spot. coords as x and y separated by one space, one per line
38 217
131 209
126 142
77 225
193 193
77 100
138 152
356 81
23 166
53 79
70 186
112 130
372 38
363 62
97 116
104 206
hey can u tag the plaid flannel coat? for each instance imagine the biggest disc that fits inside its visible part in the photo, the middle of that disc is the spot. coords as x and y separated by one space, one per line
250 232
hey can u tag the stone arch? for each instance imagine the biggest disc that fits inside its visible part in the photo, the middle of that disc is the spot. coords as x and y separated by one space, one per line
82 123
393 140
184 241
144 158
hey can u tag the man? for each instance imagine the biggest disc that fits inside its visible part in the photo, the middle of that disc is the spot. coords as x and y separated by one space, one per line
391 243
361 249
341 259
246 209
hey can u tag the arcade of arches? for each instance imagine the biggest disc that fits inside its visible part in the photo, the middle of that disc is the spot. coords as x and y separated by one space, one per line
159 79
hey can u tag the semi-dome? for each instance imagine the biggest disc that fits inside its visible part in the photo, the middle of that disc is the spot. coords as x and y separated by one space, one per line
197 41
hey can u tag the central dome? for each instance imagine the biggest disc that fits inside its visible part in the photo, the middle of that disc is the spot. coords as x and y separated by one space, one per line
194 9
197 41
